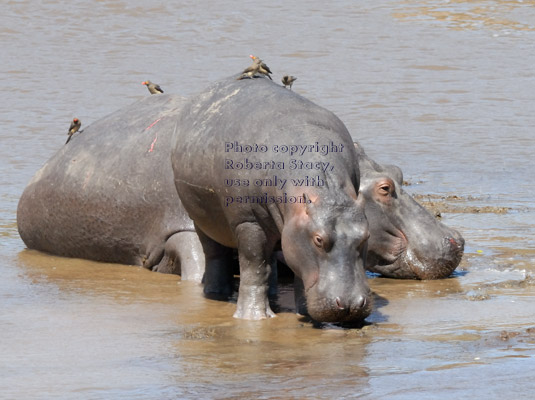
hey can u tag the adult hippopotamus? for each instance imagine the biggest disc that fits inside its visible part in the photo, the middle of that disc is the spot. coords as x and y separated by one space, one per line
108 195
256 165
406 241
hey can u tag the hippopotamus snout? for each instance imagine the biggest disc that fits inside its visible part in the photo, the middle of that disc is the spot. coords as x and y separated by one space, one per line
430 262
341 296
339 308
454 249
455 244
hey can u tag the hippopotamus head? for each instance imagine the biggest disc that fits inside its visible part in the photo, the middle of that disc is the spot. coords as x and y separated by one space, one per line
325 245
406 241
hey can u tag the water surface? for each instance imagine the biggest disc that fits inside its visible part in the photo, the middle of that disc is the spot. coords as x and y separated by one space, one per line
443 89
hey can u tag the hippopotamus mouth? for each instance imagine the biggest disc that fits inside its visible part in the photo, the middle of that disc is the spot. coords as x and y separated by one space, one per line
311 281
395 247
398 246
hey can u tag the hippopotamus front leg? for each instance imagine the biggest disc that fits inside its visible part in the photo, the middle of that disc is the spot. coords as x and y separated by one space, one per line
254 251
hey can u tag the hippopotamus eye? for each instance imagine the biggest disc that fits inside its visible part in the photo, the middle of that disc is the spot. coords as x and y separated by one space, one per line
318 241
384 189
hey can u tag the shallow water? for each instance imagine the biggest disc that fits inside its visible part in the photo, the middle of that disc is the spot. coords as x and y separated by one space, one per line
443 89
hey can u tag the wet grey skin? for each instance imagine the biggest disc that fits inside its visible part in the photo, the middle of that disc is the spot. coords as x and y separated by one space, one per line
75 126
153 87
288 80
406 241
322 229
264 69
252 70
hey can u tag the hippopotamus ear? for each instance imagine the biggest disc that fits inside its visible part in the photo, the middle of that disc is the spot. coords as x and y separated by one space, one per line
395 172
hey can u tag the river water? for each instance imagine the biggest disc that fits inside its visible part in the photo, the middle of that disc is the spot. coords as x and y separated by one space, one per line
444 89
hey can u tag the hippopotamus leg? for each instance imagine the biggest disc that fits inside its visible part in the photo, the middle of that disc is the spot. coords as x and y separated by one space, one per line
183 255
219 272
254 249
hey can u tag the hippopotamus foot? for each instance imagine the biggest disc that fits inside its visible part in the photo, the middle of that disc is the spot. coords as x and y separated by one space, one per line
256 264
253 303
260 309
183 255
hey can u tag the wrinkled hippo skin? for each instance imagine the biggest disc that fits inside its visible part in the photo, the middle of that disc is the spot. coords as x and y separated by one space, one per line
108 195
406 241
322 229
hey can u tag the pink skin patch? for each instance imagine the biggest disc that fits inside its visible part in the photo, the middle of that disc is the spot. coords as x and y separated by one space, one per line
154 123
155 136
88 176
153 143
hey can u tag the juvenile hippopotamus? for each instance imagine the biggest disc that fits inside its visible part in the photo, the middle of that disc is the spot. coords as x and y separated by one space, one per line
108 195
256 165
406 241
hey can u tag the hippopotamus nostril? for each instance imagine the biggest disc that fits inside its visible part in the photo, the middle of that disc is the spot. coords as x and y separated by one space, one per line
361 302
339 304
455 244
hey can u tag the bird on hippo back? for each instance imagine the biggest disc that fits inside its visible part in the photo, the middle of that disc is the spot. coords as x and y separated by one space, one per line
73 128
153 88
288 81
263 69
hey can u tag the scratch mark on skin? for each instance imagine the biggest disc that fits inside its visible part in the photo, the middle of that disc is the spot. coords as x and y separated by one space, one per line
214 108
155 136
153 143
154 123
88 176
209 189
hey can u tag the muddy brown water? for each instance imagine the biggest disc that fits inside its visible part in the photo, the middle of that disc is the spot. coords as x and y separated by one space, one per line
444 89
